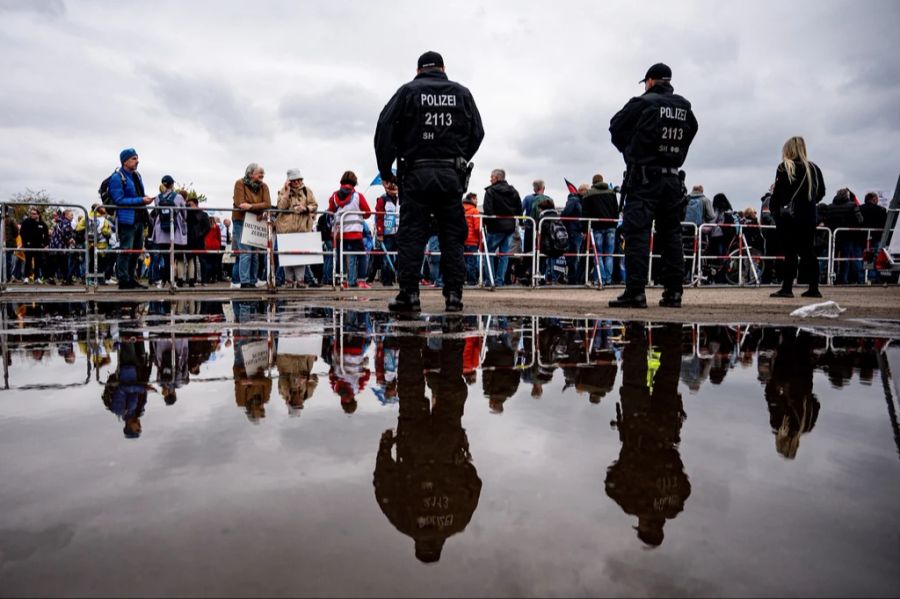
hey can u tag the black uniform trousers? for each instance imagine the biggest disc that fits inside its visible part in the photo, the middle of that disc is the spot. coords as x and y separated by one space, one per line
416 211
657 198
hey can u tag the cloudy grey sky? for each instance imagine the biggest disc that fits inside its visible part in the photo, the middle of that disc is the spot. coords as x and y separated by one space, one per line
203 88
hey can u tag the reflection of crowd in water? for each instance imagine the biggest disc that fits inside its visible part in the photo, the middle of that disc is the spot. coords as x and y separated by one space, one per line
425 481
510 352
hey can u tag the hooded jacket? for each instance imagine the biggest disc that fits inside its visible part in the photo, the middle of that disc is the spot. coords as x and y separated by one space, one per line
573 210
473 223
346 200
501 199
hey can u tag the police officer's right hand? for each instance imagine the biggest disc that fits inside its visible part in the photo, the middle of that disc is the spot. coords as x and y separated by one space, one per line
148 200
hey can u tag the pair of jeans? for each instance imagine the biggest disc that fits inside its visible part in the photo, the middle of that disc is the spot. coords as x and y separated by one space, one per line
351 261
574 264
605 244
471 264
9 259
247 262
388 244
499 242
851 271
131 238
434 261
327 262
157 263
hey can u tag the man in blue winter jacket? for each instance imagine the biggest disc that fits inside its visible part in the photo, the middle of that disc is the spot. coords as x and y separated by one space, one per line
127 191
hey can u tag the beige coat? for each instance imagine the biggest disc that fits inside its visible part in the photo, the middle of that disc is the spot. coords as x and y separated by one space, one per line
296 384
294 199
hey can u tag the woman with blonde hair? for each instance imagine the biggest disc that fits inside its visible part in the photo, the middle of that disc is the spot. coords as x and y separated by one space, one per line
799 187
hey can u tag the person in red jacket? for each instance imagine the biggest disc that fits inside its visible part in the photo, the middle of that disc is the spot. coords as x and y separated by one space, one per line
473 238
349 228
209 263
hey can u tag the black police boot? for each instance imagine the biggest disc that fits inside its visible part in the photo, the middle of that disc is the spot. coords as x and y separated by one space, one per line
406 301
629 299
671 298
453 301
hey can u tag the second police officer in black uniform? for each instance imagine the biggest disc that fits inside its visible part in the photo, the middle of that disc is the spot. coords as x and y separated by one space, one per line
433 128
653 131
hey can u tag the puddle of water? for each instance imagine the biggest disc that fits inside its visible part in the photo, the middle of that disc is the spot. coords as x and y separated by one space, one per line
258 448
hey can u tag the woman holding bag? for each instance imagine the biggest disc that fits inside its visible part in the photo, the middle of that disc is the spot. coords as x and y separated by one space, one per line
799 187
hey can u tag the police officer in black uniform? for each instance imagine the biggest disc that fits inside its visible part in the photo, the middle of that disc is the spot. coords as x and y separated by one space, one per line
432 128
653 131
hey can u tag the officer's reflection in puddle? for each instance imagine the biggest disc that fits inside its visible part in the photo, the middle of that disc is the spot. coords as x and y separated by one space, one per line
125 391
430 488
252 386
793 407
648 479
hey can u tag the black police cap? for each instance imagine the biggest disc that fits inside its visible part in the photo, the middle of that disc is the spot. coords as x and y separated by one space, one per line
657 71
431 60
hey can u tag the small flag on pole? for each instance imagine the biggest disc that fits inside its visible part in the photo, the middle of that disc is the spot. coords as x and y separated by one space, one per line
572 188
377 179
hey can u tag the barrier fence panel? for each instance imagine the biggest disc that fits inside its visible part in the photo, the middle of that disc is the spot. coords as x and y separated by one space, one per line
4 251
483 253
743 263
586 250
500 255
863 248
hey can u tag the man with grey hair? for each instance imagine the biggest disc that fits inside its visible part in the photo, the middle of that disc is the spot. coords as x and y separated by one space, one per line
500 199
250 195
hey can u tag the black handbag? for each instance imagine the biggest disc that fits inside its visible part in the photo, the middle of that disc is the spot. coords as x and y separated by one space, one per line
788 209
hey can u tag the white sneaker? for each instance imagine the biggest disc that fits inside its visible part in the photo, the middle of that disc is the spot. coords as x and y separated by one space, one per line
235 285
159 285
261 283
112 281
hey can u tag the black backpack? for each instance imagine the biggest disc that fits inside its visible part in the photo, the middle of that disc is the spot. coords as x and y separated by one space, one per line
105 197
165 205
554 237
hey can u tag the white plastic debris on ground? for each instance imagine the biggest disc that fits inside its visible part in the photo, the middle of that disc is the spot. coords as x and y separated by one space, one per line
827 309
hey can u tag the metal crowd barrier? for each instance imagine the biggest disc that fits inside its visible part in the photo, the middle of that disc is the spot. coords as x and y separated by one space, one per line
868 232
482 253
4 206
747 256
744 253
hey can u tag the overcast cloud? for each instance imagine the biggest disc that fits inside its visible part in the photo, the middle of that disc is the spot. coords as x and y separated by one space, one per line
203 88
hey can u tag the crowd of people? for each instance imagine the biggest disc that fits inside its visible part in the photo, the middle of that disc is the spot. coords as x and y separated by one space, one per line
168 239
62 249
